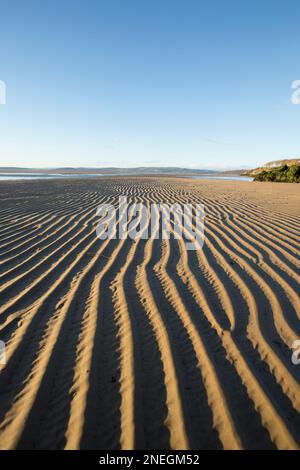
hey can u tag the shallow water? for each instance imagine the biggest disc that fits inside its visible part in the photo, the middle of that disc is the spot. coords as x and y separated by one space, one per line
36 176
230 178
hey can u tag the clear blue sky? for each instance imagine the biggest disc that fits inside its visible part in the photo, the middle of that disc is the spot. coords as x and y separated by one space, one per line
149 82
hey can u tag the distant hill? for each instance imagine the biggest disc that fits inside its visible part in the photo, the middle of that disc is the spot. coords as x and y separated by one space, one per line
288 162
239 172
111 171
273 164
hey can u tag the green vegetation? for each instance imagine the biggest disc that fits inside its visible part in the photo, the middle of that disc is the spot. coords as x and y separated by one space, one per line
281 174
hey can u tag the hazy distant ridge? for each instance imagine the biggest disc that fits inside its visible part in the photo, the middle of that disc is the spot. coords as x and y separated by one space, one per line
110 170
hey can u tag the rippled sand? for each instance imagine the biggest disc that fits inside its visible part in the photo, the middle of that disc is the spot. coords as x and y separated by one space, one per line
142 344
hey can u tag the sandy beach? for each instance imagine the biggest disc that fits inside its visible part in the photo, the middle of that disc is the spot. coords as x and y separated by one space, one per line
141 344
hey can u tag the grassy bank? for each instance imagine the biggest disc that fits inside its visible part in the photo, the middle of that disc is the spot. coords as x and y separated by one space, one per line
281 174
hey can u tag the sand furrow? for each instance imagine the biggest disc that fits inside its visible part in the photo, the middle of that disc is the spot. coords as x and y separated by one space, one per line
174 421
